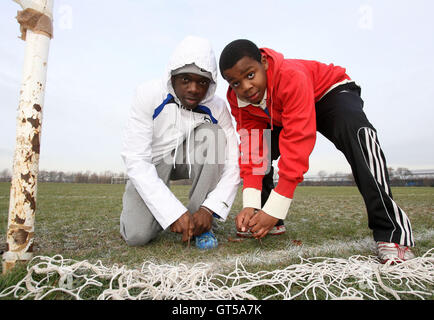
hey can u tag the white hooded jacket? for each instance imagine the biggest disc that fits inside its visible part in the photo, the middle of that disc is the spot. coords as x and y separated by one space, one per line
156 127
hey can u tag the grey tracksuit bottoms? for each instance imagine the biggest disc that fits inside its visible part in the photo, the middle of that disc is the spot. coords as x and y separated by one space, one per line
204 165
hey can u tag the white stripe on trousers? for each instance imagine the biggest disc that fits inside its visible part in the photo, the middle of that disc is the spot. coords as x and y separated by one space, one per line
375 164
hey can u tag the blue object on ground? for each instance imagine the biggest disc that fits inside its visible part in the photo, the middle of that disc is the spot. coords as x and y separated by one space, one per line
206 240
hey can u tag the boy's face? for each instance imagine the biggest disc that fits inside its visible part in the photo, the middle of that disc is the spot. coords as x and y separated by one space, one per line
190 88
248 78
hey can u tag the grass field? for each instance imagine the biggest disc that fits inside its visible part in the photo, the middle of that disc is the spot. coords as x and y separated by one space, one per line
81 222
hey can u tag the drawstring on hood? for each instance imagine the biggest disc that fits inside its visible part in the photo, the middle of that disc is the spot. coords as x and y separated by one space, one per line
188 143
178 115
192 54
179 124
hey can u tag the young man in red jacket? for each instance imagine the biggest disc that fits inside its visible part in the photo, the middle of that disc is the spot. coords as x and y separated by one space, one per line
291 100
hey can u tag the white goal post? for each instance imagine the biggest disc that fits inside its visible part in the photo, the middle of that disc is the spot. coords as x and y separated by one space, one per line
36 30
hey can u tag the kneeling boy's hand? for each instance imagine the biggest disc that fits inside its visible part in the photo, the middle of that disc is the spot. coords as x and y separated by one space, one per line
243 218
184 225
261 223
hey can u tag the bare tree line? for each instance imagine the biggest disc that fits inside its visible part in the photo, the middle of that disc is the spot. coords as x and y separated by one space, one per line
394 174
398 177
70 177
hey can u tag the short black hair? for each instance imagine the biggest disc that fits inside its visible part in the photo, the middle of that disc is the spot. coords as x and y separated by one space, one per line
237 50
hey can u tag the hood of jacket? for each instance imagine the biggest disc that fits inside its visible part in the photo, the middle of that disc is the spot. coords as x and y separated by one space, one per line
198 51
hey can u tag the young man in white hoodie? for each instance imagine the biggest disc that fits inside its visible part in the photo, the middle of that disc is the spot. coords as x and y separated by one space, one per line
179 129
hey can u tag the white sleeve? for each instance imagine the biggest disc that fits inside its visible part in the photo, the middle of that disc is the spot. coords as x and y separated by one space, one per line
220 200
137 156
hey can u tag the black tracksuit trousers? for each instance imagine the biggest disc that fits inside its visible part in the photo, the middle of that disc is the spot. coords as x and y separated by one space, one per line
341 119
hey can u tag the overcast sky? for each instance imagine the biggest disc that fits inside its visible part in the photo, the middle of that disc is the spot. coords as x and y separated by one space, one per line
102 50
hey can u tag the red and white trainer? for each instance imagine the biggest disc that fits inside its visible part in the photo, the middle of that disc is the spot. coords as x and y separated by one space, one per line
393 251
275 231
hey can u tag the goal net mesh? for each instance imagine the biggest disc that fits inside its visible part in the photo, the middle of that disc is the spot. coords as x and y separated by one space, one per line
358 277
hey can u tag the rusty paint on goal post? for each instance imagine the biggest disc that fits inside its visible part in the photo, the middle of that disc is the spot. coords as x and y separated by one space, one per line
22 203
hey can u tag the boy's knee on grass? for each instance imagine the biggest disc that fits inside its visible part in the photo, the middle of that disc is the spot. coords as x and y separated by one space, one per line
135 238
138 240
